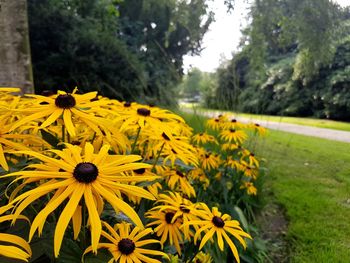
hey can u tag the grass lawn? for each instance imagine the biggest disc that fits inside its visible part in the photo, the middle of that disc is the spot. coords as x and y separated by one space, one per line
321 123
310 179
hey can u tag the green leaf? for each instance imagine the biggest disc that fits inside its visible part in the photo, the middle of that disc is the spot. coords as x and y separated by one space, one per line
102 256
51 139
241 217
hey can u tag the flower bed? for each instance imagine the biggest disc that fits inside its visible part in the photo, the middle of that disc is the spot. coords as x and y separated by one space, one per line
100 180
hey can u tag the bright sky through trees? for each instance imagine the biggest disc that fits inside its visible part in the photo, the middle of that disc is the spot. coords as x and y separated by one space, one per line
224 35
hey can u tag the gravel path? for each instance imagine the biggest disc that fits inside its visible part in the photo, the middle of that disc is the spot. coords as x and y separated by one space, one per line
329 134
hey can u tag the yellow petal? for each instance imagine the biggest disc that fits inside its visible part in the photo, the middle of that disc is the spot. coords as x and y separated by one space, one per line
67 117
118 204
66 216
77 220
51 206
94 218
3 162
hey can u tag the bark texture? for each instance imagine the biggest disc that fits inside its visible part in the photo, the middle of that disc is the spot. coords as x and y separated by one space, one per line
15 61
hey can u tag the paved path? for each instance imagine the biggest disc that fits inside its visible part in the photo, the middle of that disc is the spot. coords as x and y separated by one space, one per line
330 134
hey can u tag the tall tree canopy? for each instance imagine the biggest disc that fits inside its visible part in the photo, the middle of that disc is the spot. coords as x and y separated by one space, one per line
129 50
293 60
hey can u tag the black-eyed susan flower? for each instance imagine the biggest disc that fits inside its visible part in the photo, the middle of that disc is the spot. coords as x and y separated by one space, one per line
249 170
75 176
202 138
179 181
233 135
170 147
214 123
250 188
144 115
166 227
234 124
210 161
71 107
249 157
182 208
202 257
10 142
258 128
19 248
127 245
213 222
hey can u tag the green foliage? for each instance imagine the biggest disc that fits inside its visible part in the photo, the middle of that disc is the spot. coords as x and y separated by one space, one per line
294 61
130 50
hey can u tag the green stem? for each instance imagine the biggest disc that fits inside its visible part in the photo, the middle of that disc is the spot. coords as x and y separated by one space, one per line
84 219
137 136
158 155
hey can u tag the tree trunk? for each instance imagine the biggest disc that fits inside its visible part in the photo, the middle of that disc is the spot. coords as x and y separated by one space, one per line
15 61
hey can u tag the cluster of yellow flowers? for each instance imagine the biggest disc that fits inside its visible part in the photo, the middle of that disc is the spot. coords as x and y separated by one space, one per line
231 136
85 151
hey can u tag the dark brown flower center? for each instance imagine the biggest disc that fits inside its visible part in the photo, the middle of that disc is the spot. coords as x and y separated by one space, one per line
126 246
165 137
180 174
257 125
143 112
169 217
85 172
233 120
140 171
65 101
252 154
218 222
232 130
127 104
217 120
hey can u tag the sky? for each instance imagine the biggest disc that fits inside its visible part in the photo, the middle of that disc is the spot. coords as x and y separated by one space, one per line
224 35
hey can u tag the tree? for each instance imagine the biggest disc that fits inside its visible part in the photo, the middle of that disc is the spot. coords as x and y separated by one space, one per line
15 62
130 50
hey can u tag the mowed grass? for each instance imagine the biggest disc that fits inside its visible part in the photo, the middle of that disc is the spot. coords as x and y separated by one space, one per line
310 178
321 123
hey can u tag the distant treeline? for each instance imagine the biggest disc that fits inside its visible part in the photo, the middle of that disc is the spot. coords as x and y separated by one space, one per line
129 50
294 59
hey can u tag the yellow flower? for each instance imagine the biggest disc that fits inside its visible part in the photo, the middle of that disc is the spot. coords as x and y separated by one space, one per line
202 138
69 106
249 186
259 129
182 208
210 161
178 180
213 222
142 115
234 124
202 258
166 227
252 161
7 142
249 170
126 244
214 123
238 136
19 249
170 147
75 176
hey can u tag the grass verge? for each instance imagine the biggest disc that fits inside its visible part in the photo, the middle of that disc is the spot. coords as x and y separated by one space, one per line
310 178
320 123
